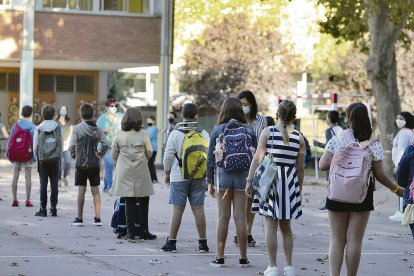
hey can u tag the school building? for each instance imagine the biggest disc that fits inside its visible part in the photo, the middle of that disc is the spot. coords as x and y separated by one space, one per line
60 51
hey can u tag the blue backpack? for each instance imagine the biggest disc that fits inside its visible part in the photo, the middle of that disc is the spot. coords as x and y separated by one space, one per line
237 146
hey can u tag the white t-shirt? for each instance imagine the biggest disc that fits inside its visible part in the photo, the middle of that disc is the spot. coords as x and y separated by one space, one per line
402 140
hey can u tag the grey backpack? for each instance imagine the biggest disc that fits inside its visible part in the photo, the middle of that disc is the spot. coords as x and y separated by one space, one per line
50 145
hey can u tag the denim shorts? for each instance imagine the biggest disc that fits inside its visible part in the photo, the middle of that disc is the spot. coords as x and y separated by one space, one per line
194 190
232 180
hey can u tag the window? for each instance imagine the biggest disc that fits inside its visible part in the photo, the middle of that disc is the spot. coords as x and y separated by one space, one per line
84 84
46 83
4 2
2 81
14 81
64 83
131 6
84 5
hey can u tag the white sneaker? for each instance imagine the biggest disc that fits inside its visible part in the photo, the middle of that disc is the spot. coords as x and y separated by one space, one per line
398 216
271 271
289 271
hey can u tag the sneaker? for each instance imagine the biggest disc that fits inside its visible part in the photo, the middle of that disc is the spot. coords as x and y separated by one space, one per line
77 222
398 216
271 271
97 221
65 181
53 212
169 246
145 235
244 262
250 241
28 203
235 240
202 246
41 213
15 203
322 209
289 271
217 262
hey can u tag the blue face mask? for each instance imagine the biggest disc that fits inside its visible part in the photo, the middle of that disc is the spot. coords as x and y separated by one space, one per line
246 110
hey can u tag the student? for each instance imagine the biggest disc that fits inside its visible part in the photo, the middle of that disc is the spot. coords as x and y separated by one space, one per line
258 123
152 131
110 123
3 131
348 221
85 131
25 123
47 147
284 199
405 176
180 188
131 149
404 138
332 119
63 121
226 184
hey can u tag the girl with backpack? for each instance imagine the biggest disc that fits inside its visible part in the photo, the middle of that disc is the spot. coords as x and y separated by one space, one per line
348 221
232 143
283 200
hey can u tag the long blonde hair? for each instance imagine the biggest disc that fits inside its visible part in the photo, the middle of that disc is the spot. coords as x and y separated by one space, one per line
286 112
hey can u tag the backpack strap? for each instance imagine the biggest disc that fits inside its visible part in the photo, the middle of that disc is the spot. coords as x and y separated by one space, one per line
348 137
371 140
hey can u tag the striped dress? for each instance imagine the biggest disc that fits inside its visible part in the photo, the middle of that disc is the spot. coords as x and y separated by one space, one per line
284 199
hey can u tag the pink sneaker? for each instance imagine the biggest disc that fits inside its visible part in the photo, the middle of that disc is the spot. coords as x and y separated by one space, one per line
28 203
15 203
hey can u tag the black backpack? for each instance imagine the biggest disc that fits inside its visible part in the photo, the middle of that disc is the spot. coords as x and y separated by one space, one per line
87 153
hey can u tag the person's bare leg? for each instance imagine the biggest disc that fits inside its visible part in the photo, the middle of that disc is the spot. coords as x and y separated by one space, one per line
239 216
338 222
287 238
81 200
200 220
356 229
96 200
271 239
249 215
175 222
224 213
28 178
16 172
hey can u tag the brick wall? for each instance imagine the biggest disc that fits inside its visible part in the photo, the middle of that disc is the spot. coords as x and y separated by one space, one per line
80 37
84 37
11 26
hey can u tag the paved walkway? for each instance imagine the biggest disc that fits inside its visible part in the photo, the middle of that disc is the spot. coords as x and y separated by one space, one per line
31 245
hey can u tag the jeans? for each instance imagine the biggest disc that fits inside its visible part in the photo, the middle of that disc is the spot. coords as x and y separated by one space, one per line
407 200
108 167
136 213
49 172
67 162
151 166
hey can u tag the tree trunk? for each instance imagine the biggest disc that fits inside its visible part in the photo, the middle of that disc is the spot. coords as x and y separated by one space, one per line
382 71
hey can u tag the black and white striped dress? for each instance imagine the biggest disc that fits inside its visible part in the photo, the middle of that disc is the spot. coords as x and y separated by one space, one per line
284 199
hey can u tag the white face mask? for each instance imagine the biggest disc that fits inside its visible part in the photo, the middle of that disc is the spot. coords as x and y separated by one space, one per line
63 113
246 109
400 123
112 110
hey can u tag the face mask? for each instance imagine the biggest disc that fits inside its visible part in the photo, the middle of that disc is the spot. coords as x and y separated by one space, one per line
171 120
112 109
400 123
246 109
63 113
149 124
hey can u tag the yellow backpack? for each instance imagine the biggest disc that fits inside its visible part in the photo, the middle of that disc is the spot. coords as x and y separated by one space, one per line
193 161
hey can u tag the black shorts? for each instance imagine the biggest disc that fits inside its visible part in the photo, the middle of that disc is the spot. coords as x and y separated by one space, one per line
366 205
82 176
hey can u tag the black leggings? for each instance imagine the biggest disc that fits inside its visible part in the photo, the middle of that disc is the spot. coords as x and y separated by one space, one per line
136 212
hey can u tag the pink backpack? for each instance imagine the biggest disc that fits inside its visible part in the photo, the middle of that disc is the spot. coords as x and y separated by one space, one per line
350 170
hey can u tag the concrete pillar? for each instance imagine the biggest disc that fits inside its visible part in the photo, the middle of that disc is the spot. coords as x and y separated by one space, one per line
27 58
103 86
164 73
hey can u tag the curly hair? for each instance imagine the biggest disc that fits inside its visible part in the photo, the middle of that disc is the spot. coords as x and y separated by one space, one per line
286 112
